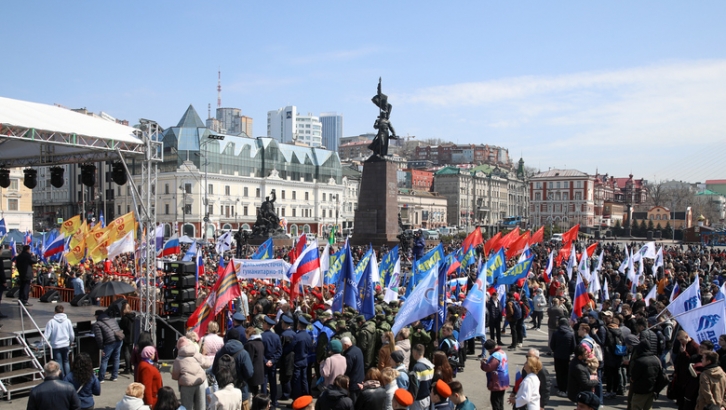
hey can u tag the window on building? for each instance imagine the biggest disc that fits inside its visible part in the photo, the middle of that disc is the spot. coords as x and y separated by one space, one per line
188 209
538 185
128 191
128 208
244 210
12 204
537 196
119 191
227 190
119 209
210 189
294 196
558 185
166 209
294 213
153 189
257 192
283 211
188 188
565 196
282 194
306 196
245 191
210 210
578 196
166 189
550 185
566 184
323 196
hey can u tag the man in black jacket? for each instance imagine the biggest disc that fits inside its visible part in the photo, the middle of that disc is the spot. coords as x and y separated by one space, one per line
53 393
562 345
644 370
494 310
354 367
24 262
109 338
579 378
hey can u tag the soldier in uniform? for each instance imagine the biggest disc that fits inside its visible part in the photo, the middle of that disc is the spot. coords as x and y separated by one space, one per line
287 361
273 352
342 331
301 346
366 336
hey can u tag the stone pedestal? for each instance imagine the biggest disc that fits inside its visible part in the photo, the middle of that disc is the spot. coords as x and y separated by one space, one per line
376 220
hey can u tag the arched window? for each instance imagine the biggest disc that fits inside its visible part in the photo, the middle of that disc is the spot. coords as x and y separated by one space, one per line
189 230
210 230
245 227
167 230
293 230
306 228
227 226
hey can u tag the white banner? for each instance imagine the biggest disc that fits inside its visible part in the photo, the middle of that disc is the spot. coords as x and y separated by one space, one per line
261 269
704 323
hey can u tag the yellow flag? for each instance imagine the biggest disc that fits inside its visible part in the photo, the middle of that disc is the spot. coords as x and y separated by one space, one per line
96 236
100 252
79 235
76 253
121 226
70 226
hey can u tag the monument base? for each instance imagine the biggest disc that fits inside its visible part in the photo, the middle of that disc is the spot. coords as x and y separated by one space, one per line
376 219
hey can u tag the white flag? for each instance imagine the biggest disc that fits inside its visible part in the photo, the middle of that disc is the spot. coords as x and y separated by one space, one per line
584 267
705 322
651 295
572 262
658 263
325 259
190 253
598 268
391 292
631 270
125 245
625 262
224 242
594 285
605 293
689 299
645 251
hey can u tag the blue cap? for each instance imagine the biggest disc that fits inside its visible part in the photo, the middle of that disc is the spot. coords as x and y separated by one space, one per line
287 319
270 321
301 319
239 317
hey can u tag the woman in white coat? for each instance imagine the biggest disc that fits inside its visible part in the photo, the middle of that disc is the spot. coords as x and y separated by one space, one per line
527 396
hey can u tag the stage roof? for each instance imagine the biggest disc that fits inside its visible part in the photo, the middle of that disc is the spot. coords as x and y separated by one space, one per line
33 134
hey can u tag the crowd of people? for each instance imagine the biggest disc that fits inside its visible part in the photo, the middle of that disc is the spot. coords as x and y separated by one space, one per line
278 349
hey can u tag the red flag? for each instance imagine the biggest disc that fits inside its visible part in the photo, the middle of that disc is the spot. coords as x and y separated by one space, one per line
508 239
199 320
491 243
564 255
518 245
591 249
298 249
453 267
474 239
570 235
537 237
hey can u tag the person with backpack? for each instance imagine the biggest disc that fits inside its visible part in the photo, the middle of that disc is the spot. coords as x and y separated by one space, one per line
614 352
514 313
450 346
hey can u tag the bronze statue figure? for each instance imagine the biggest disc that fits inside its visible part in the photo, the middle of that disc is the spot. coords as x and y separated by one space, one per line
379 146
267 220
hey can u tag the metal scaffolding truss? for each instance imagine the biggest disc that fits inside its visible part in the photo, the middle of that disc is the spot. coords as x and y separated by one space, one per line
62 148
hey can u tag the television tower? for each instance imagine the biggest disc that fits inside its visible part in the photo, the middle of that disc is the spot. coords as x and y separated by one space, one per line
219 89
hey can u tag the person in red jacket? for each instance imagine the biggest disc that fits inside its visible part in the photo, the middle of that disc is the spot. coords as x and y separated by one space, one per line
149 376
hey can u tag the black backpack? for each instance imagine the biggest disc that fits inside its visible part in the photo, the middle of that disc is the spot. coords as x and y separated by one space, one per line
517 310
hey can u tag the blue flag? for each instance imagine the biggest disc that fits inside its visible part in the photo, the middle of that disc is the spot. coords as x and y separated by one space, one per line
388 264
3 228
421 303
441 316
190 253
366 289
265 250
362 265
345 288
101 219
430 259
516 272
495 265
473 323
336 265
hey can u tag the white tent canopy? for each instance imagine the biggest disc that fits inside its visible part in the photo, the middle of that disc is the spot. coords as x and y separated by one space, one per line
41 134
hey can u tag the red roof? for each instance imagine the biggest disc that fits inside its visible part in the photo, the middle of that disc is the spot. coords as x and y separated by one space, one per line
621 182
715 181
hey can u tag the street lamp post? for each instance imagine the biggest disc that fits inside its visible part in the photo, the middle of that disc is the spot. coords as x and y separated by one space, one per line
205 211
184 207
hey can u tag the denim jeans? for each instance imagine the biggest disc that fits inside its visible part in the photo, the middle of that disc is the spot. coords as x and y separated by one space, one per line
110 351
60 355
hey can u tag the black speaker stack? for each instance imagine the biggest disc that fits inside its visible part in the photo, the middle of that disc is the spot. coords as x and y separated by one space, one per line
179 288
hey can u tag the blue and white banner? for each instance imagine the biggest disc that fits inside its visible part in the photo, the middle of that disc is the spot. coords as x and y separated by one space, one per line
688 300
704 323
422 302
261 269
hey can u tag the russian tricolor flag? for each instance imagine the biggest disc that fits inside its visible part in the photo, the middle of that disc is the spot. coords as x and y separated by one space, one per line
57 246
580 299
675 292
199 272
308 261
171 247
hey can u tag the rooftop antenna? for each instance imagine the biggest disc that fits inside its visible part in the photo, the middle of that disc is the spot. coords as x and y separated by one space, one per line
209 110
219 88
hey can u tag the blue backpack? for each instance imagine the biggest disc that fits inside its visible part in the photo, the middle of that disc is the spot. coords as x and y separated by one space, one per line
517 310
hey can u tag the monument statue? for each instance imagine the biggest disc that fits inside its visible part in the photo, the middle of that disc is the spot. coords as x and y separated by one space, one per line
267 220
379 146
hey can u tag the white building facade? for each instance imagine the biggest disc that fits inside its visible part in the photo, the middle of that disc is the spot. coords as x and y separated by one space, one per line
286 125
562 198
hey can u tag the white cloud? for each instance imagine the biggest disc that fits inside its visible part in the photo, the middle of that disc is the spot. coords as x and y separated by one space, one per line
333 56
606 117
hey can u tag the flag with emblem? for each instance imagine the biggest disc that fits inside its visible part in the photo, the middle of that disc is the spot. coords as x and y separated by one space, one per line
704 323
70 226
689 299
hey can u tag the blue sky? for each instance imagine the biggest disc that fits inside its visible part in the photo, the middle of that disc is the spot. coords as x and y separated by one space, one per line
617 87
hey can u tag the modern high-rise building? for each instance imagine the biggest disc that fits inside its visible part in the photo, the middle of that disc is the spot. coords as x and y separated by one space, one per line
286 125
332 130
231 121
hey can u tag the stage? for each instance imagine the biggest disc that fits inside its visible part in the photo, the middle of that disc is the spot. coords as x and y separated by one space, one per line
42 313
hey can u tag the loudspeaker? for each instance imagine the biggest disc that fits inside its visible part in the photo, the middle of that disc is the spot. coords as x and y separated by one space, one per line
179 295
116 308
13 292
166 338
180 308
50 295
81 300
